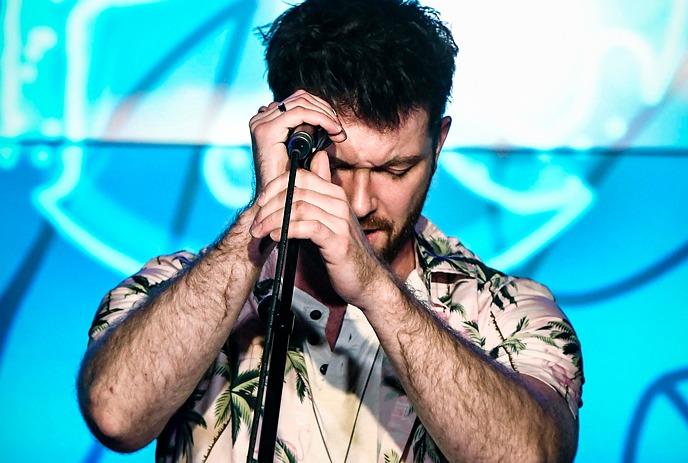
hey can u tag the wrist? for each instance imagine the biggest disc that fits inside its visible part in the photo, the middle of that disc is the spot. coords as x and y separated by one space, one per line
382 292
239 242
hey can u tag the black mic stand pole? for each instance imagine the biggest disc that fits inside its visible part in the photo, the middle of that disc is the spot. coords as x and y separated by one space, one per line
279 325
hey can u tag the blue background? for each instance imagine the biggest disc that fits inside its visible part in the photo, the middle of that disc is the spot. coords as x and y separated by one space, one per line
123 134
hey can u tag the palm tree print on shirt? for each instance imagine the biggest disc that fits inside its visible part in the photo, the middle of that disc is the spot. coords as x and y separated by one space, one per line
419 440
178 434
436 250
236 403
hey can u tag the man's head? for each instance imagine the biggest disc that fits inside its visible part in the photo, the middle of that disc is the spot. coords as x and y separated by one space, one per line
374 60
386 66
386 176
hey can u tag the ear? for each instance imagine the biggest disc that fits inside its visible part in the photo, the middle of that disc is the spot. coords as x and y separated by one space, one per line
445 124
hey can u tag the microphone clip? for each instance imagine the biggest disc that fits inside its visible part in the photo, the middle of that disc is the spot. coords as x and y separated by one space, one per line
306 140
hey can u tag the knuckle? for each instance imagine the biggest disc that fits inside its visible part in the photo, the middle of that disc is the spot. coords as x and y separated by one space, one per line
299 206
258 129
299 110
270 219
302 100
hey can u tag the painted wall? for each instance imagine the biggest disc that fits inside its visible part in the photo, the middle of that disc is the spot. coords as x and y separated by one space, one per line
123 134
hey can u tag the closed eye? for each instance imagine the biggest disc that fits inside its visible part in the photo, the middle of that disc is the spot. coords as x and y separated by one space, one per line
341 167
395 170
396 173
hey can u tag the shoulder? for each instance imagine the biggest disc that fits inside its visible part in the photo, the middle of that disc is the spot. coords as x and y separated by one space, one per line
439 253
515 320
135 289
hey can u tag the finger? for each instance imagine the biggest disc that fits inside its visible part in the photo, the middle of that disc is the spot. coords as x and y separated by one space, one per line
320 165
305 180
301 211
272 110
319 233
302 107
301 92
300 99
334 113
297 115
334 206
307 97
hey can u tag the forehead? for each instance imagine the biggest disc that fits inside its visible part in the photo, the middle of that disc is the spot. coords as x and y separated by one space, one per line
369 147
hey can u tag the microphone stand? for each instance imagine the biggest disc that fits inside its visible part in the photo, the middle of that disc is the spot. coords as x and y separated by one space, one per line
279 326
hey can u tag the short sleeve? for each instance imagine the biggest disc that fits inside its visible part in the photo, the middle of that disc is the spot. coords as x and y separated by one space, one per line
535 338
134 291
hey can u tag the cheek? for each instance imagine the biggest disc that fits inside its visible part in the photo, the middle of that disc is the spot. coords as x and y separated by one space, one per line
397 198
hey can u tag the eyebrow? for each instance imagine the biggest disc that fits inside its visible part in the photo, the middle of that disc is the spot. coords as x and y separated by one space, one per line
404 160
394 162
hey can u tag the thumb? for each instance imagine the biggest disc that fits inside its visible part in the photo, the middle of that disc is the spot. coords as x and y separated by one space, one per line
320 165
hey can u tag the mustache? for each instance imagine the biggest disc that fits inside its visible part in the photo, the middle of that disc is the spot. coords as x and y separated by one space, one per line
373 222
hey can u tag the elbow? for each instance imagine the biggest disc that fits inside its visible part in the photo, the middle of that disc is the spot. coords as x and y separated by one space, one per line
557 445
107 420
555 452
565 449
113 433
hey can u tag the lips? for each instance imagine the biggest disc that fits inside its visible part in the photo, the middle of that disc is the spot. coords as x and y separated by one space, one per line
371 233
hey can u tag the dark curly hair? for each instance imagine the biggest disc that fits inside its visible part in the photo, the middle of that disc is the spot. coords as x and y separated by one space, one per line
374 59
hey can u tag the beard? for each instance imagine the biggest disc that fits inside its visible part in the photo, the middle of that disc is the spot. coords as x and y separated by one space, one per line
398 236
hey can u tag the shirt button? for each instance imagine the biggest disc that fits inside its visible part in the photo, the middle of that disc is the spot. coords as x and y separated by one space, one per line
323 368
316 314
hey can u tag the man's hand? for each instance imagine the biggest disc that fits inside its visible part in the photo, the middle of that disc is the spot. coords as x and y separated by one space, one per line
321 213
270 129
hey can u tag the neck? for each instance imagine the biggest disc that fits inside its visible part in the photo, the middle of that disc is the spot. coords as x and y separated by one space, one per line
405 262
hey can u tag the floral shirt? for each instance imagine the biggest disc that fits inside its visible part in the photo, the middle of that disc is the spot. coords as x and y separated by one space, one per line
347 404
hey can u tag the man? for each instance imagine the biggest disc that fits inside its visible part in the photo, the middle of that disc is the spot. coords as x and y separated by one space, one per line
405 347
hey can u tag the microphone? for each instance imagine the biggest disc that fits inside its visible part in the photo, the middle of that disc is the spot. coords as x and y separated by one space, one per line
305 140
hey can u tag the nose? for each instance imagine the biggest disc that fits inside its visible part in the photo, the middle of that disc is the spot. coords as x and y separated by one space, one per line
362 195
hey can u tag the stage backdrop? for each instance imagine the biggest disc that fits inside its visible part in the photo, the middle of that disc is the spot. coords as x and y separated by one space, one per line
123 135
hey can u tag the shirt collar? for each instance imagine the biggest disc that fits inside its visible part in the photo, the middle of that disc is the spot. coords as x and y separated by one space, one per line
436 254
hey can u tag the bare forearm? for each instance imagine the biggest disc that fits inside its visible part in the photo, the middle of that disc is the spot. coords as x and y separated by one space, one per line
141 372
474 409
